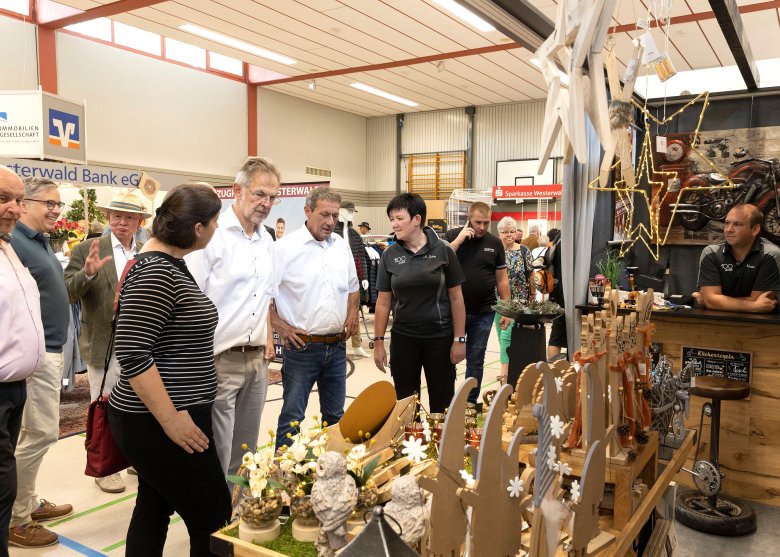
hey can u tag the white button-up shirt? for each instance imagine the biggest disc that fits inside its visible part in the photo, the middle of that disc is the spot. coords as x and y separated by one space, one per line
314 280
236 272
22 343
122 255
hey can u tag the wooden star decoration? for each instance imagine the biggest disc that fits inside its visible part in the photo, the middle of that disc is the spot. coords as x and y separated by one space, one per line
652 236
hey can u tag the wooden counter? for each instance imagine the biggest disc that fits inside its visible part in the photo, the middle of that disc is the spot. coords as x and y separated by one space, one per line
750 429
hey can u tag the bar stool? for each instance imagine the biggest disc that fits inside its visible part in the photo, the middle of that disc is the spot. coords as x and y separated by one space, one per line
706 510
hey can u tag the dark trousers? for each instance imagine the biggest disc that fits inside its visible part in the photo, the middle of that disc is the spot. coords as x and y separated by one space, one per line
409 354
12 398
169 479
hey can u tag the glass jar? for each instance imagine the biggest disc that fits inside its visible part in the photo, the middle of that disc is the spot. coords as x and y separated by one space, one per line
301 508
261 512
368 497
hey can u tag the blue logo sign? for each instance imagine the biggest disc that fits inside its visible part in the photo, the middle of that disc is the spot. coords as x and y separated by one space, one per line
64 129
3 117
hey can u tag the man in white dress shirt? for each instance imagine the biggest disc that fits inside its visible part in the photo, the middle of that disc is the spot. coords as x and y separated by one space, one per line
316 311
236 272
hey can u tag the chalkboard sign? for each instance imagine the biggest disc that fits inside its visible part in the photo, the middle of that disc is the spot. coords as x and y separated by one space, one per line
718 363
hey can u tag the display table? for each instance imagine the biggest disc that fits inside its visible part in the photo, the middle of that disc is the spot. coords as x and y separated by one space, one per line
750 429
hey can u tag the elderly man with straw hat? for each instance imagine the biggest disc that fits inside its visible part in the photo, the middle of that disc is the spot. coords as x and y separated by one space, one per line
92 276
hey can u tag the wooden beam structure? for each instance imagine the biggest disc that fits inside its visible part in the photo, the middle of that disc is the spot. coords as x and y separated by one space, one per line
395 64
106 10
517 19
727 14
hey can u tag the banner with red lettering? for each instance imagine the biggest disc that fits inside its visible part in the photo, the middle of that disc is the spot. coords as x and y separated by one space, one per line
527 192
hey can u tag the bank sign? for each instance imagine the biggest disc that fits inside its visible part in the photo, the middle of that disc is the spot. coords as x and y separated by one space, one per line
527 192
34 124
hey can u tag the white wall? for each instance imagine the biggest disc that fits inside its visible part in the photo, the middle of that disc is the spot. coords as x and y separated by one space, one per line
296 134
147 112
18 55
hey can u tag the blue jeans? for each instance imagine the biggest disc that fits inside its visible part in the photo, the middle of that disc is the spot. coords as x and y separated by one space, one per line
478 326
320 363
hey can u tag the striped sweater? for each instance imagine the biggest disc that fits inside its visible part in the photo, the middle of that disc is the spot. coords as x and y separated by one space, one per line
165 319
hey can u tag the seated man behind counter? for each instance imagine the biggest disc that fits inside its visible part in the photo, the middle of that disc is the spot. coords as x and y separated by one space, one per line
742 273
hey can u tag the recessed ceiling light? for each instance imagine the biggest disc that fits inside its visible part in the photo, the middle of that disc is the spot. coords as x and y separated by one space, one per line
383 94
312 85
235 43
469 17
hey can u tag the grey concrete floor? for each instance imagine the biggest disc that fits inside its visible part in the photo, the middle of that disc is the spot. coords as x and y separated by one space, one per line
764 542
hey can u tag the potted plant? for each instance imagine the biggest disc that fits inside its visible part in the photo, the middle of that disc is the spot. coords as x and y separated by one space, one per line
361 468
62 230
261 506
612 267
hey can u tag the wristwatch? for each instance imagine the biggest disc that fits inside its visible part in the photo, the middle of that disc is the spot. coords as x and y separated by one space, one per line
462 340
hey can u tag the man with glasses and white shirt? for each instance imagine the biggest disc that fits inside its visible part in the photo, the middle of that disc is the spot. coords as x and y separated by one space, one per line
236 272
41 419
92 276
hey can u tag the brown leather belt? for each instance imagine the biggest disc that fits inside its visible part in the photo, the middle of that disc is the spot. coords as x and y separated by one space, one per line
246 348
326 339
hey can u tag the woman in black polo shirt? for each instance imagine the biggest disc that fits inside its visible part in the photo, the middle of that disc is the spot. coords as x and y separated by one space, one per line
419 277
160 409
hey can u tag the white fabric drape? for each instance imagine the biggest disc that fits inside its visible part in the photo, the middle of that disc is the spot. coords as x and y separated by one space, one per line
577 215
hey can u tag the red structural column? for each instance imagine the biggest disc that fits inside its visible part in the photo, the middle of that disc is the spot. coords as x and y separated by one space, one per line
251 128
47 59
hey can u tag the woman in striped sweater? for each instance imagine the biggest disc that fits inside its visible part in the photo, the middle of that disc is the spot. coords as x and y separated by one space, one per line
160 409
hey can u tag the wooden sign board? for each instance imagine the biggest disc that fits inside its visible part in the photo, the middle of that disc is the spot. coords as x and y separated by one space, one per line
730 364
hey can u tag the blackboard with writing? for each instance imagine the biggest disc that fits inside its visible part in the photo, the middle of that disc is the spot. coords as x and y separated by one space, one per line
718 363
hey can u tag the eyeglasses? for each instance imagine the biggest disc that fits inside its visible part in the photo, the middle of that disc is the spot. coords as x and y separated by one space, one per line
262 197
50 205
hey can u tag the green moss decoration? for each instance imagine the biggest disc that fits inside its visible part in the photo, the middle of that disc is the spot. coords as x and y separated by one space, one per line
284 544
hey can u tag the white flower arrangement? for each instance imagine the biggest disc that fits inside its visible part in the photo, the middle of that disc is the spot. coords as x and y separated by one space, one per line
258 472
299 459
575 491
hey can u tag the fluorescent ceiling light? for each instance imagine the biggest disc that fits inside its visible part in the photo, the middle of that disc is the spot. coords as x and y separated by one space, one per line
235 43
465 15
383 94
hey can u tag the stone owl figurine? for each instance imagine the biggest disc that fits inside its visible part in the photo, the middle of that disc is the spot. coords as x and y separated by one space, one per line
333 498
407 508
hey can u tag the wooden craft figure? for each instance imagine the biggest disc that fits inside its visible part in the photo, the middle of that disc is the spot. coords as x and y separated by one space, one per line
620 118
525 397
333 498
586 497
496 514
448 518
548 511
407 509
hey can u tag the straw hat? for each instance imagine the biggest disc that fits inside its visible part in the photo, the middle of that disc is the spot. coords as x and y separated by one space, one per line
127 202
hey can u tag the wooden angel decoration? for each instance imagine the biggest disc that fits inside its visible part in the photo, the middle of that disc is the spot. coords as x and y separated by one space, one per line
495 498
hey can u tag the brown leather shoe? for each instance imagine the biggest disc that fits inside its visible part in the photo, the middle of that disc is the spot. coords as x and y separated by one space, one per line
49 511
31 534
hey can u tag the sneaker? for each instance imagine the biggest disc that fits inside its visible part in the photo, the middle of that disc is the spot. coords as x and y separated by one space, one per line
131 471
31 535
111 484
49 511
359 352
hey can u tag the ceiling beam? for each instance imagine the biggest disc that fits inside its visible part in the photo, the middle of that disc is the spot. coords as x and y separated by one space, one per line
395 64
727 14
106 10
517 19
701 16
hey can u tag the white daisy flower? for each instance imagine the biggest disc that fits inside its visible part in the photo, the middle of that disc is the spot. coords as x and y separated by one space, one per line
468 478
515 487
563 468
575 491
559 384
414 450
557 426
609 393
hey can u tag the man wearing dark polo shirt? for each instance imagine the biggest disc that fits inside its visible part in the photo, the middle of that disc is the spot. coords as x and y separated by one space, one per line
742 273
40 420
483 261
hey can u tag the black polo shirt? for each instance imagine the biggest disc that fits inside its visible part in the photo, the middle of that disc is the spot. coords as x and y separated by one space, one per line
479 258
419 283
34 252
760 271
